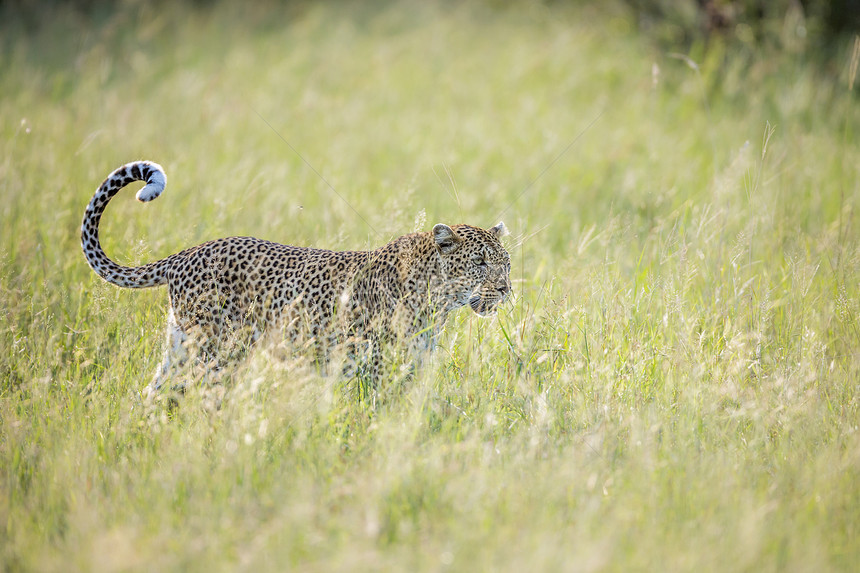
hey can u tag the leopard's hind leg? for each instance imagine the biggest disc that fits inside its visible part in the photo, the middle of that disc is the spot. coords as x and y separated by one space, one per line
175 355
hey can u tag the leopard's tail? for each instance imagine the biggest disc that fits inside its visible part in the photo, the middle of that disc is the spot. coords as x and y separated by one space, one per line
149 275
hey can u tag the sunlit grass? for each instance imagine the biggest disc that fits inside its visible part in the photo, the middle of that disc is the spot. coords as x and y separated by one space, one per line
673 386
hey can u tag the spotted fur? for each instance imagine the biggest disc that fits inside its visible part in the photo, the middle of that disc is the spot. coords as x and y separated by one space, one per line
226 293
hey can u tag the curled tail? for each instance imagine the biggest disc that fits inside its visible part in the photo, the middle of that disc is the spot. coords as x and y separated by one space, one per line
149 275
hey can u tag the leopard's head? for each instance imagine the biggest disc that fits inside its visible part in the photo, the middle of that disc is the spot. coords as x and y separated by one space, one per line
476 268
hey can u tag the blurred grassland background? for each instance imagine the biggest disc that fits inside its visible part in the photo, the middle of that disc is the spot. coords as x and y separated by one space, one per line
673 387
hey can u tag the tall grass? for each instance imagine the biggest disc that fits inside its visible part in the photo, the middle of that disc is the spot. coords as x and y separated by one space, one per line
674 386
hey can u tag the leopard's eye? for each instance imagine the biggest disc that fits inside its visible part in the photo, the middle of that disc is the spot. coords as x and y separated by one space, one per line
479 260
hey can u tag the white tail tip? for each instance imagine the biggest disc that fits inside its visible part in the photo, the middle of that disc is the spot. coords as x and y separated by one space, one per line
153 188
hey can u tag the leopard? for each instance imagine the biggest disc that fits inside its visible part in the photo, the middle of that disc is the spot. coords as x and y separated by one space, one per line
226 294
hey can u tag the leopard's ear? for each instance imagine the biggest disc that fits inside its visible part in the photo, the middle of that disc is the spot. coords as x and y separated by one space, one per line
447 241
500 230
